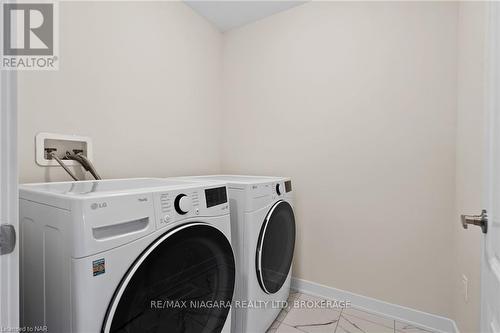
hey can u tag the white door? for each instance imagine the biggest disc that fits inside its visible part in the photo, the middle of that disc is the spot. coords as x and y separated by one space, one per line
9 254
490 261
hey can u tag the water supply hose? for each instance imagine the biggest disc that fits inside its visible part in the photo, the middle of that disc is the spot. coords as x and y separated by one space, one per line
58 160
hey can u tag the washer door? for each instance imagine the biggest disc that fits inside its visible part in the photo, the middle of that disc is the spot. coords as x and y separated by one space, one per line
183 282
275 247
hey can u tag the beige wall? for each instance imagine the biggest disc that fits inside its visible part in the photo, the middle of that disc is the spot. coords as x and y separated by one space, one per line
357 103
141 79
471 32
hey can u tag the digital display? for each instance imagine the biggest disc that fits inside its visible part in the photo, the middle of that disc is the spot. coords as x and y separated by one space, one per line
288 186
216 196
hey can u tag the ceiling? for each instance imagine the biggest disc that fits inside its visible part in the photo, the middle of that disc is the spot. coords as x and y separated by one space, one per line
227 15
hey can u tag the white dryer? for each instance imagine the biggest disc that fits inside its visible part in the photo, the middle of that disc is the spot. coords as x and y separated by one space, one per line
135 255
263 234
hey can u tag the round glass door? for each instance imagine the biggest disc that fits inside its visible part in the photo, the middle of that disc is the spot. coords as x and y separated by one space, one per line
275 247
183 282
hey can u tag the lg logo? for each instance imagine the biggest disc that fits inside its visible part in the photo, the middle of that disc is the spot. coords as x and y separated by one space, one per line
28 29
97 205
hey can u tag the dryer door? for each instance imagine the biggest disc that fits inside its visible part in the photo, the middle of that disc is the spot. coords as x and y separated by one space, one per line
182 283
275 247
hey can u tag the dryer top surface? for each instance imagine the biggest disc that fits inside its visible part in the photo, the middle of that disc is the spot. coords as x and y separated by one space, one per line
240 179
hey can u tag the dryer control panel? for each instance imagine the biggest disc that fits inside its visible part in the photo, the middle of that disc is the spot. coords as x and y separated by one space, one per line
174 206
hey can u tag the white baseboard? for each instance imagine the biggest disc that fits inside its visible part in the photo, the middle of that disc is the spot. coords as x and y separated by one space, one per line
397 312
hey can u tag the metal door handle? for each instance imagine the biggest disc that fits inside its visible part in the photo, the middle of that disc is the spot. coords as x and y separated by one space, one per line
7 238
479 220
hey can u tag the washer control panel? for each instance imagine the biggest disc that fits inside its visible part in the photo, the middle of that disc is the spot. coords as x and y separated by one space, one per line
174 206
283 187
166 208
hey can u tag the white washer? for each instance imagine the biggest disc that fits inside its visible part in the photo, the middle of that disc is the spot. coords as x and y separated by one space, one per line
135 255
263 234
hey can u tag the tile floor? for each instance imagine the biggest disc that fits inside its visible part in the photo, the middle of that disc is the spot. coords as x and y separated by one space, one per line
323 319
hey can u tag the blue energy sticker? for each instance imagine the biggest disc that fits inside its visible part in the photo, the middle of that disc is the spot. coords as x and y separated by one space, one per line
98 267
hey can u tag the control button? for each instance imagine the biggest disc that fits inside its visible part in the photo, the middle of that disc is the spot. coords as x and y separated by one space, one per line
278 189
197 211
166 219
183 204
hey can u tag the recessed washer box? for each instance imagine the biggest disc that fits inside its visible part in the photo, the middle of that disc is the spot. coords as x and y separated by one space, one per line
62 143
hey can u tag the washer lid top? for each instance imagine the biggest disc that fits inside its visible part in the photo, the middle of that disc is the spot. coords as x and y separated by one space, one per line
85 188
61 194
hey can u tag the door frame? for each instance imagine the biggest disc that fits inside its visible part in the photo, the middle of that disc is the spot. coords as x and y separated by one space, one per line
9 212
9 203
492 104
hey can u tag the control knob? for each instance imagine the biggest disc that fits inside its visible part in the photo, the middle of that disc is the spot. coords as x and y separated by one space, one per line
183 204
278 189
